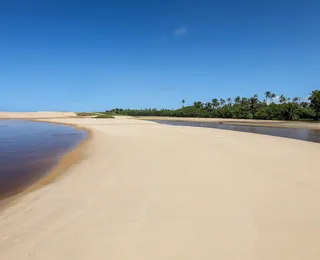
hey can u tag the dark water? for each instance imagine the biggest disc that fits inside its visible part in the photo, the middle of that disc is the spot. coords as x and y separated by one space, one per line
29 150
293 133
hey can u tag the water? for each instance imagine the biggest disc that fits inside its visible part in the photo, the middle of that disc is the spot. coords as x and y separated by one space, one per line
294 133
29 150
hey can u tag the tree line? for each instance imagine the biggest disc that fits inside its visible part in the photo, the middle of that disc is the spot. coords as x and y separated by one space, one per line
270 108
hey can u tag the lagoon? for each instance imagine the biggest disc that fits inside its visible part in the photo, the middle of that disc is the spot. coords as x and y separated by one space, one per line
29 150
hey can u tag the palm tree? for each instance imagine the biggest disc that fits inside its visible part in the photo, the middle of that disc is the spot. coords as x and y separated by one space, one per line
207 105
222 102
237 100
268 95
244 101
215 103
282 99
296 100
291 110
198 104
183 101
229 100
272 97
253 101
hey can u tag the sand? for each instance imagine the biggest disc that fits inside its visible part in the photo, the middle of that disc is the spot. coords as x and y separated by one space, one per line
35 115
149 191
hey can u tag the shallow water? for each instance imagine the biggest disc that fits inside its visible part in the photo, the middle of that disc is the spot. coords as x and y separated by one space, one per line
293 133
29 150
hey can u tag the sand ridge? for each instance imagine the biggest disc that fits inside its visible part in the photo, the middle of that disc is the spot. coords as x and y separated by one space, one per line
151 191
35 115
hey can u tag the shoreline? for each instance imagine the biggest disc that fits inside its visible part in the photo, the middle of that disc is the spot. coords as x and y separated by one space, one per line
245 122
75 155
66 161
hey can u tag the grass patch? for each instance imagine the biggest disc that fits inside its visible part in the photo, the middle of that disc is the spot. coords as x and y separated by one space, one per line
86 114
95 114
104 116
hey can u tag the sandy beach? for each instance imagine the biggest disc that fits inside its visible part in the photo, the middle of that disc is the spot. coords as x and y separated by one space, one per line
142 190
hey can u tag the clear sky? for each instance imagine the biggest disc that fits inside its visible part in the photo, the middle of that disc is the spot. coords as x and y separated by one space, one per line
96 55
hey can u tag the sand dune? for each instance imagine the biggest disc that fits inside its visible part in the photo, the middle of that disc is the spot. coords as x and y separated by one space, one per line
150 191
40 114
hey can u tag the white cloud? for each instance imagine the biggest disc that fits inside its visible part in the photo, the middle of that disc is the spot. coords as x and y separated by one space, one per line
180 31
276 99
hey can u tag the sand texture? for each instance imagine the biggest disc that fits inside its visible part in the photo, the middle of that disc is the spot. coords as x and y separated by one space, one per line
34 115
146 191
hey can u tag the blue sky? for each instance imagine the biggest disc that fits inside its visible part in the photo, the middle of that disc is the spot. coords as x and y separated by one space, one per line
96 55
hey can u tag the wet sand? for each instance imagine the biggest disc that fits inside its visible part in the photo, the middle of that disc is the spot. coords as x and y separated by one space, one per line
151 191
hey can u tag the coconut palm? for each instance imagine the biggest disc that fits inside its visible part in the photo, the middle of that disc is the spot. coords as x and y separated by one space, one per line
291 110
215 103
229 100
198 104
268 95
237 100
282 99
183 101
296 100
244 101
208 105
222 102
272 97
253 101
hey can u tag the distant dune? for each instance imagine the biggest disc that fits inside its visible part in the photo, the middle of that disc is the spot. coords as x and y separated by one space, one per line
39 114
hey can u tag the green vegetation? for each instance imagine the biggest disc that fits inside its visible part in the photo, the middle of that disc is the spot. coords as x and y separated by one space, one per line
86 114
315 102
271 108
96 114
104 115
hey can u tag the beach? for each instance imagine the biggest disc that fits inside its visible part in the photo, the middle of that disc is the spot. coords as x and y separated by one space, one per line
141 190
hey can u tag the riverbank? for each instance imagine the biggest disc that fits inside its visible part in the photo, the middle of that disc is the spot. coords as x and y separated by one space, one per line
249 122
151 191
